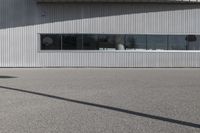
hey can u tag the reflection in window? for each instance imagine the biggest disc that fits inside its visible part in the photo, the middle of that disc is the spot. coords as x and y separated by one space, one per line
106 42
136 42
193 42
90 42
50 42
157 42
71 42
177 42
118 42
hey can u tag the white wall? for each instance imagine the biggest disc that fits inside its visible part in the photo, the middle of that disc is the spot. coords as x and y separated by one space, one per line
22 21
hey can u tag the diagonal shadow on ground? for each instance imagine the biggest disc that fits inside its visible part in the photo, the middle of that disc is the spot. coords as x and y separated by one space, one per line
6 77
179 122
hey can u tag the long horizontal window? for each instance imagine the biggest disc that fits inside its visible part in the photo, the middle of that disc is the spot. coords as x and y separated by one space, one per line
118 42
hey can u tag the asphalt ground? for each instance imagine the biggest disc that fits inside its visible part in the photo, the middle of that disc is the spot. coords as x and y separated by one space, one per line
99 100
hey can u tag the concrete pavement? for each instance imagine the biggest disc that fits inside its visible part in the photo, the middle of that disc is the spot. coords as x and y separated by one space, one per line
99 100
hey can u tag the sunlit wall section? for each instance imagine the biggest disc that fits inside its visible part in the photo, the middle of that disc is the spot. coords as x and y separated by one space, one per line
119 1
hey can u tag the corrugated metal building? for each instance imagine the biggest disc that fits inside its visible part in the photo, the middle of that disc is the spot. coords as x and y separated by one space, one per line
100 33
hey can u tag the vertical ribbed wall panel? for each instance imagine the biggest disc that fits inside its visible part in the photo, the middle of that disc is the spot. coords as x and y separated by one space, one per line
23 20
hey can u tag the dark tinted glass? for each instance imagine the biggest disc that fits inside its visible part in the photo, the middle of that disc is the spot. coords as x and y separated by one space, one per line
177 42
106 42
90 42
72 42
136 42
118 42
157 42
51 42
194 44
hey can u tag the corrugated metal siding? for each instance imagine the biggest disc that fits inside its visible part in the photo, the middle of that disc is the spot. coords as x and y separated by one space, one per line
122 59
22 21
118 1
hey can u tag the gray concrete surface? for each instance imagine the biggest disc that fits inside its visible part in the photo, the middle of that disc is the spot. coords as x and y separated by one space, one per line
99 100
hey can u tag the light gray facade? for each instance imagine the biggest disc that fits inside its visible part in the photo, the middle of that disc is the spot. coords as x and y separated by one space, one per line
22 22
141 1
